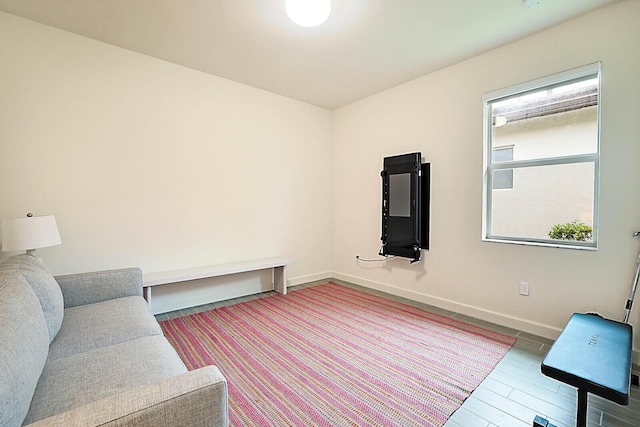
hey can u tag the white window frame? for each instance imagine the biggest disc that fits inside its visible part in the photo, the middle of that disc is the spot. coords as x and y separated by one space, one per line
559 79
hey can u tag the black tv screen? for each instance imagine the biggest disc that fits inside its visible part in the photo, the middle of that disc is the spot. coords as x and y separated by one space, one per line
400 195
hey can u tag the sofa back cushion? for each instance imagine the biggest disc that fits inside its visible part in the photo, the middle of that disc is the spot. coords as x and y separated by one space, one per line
24 344
43 284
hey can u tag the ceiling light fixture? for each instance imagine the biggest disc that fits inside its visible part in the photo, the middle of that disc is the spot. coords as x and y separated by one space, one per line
308 13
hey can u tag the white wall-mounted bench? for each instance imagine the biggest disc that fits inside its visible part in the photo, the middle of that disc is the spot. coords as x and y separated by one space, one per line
278 265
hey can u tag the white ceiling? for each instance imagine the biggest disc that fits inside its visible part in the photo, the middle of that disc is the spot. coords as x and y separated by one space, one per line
365 47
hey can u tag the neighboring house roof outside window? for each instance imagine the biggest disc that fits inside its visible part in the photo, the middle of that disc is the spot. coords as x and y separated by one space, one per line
546 103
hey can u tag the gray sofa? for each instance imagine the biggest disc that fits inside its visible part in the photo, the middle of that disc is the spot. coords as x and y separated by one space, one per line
84 350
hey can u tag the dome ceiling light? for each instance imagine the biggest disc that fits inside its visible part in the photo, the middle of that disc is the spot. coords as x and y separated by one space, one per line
308 13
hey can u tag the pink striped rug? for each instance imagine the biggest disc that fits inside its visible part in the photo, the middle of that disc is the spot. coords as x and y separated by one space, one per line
333 356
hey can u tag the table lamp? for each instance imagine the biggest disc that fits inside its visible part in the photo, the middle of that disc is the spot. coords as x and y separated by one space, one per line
30 233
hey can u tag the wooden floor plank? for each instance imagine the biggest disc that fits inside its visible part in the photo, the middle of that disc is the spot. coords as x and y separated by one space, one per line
463 417
493 414
505 404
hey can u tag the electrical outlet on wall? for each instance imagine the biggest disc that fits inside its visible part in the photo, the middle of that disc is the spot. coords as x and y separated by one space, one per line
524 288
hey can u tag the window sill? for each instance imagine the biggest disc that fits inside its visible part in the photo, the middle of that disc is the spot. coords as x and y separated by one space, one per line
547 244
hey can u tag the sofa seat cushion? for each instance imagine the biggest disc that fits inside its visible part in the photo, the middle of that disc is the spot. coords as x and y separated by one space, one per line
93 326
24 340
43 284
77 380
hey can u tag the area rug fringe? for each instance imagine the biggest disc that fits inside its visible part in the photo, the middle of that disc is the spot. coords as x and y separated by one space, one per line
329 355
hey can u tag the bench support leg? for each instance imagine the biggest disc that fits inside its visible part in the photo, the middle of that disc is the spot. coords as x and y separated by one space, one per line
146 294
280 279
581 417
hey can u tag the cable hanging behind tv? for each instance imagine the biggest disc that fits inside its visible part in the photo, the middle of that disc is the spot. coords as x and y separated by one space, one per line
406 188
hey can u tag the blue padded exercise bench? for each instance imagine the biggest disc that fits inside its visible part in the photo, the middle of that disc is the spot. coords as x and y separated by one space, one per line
593 354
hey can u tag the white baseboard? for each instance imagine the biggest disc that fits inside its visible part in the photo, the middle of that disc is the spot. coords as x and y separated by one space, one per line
191 293
325 275
546 331
205 295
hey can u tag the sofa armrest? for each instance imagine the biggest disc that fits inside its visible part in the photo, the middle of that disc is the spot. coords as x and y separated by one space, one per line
197 398
88 288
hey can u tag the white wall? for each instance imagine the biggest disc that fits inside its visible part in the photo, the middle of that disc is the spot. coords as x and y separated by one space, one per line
440 115
150 164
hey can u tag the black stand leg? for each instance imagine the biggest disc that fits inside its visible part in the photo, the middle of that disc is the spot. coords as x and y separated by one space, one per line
581 417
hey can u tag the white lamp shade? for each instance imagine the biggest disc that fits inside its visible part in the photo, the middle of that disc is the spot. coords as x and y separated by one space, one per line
308 13
23 234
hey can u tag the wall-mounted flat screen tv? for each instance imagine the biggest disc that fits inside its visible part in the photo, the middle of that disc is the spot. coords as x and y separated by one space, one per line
405 206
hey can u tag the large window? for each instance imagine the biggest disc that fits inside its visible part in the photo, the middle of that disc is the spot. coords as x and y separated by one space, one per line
541 161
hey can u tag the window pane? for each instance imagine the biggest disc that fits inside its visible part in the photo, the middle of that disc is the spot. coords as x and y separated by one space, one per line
543 197
554 122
